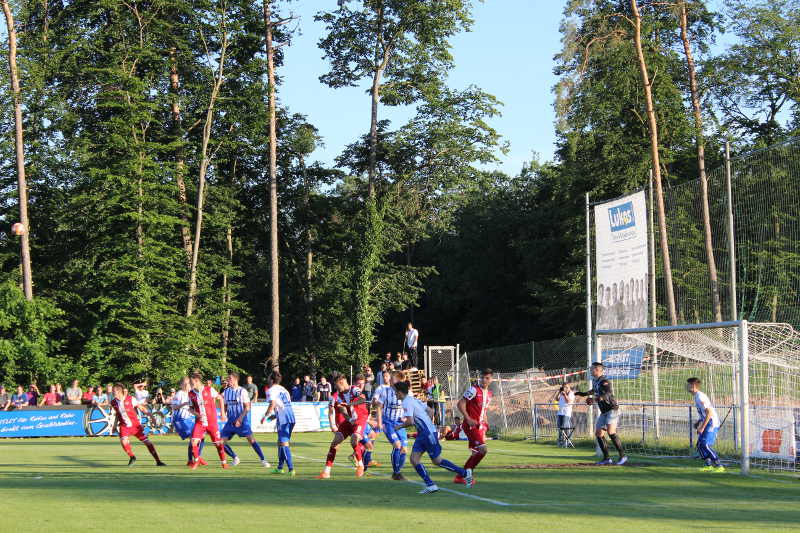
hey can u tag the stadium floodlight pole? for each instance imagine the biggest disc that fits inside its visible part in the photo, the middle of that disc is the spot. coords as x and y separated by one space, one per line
589 344
744 395
653 310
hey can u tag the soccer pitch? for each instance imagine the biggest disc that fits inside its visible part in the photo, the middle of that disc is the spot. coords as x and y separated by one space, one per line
84 485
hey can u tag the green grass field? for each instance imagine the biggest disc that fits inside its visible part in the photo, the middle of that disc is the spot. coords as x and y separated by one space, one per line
61 485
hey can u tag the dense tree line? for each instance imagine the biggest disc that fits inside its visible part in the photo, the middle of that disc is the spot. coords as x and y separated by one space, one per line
148 164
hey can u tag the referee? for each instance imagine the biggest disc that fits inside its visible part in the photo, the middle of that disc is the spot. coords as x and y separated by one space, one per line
603 395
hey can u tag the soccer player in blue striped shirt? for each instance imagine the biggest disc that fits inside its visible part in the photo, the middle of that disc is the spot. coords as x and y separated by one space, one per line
390 415
237 407
416 414
280 406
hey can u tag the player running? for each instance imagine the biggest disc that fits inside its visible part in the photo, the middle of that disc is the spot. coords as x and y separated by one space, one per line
473 407
347 412
280 408
415 413
707 427
183 419
368 442
389 415
237 408
127 423
603 395
204 399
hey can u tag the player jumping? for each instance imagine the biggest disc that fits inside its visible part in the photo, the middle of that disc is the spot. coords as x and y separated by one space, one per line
204 399
473 407
603 395
183 420
390 416
280 407
237 407
707 427
415 413
127 421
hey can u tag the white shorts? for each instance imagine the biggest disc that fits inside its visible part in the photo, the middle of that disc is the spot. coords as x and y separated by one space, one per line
609 417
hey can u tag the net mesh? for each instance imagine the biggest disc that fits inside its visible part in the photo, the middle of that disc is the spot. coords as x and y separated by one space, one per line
658 414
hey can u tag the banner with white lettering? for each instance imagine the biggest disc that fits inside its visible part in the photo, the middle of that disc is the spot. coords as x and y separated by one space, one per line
622 262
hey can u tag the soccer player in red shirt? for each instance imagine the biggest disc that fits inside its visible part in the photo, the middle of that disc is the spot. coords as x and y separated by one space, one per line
473 407
127 423
348 413
204 399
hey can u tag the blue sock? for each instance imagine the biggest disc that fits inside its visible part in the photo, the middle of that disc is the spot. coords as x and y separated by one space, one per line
447 465
230 451
395 460
287 454
281 457
200 448
367 459
257 448
191 457
423 473
401 460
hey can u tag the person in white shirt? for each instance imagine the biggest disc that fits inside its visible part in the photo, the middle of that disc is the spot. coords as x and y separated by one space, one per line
566 399
140 392
707 426
412 341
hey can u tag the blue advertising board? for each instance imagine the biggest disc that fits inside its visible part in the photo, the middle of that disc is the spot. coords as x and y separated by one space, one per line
622 363
42 423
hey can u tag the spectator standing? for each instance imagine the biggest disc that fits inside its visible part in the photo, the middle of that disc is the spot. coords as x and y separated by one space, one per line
60 392
170 396
369 382
566 398
33 395
159 398
99 398
412 340
74 393
438 400
405 363
379 375
309 389
387 359
51 397
324 390
109 393
398 361
140 392
87 397
297 391
251 389
20 399
5 399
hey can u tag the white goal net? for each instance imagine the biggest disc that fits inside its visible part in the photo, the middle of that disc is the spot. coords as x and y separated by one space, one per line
751 372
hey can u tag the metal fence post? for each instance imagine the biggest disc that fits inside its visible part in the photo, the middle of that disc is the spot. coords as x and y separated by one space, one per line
535 424
691 429
502 402
532 405
744 395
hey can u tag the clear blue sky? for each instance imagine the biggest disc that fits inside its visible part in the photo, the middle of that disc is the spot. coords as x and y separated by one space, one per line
509 53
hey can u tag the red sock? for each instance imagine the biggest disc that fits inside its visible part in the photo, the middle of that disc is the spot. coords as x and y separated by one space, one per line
195 451
474 459
220 451
359 451
151 449
331 456
127 447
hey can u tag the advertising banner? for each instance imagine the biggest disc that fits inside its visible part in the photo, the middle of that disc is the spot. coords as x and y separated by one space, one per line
622 263
93 421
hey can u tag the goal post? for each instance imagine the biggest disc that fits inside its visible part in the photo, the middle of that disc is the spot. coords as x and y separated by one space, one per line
751 371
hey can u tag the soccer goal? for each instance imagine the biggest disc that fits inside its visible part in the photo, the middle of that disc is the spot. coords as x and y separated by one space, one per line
751 372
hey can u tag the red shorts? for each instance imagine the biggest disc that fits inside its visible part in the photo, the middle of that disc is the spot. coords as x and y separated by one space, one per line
348 428
476 436
132 431
200 431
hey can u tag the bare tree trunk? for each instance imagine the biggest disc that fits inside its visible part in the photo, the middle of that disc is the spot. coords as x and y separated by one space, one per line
226 300
651 116
309 298
273 190
180 164
205 160
701 165
22 184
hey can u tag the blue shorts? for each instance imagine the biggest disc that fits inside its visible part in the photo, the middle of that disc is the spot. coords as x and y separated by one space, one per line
183 427
230 430
708 436
427 444
285 431
395 434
